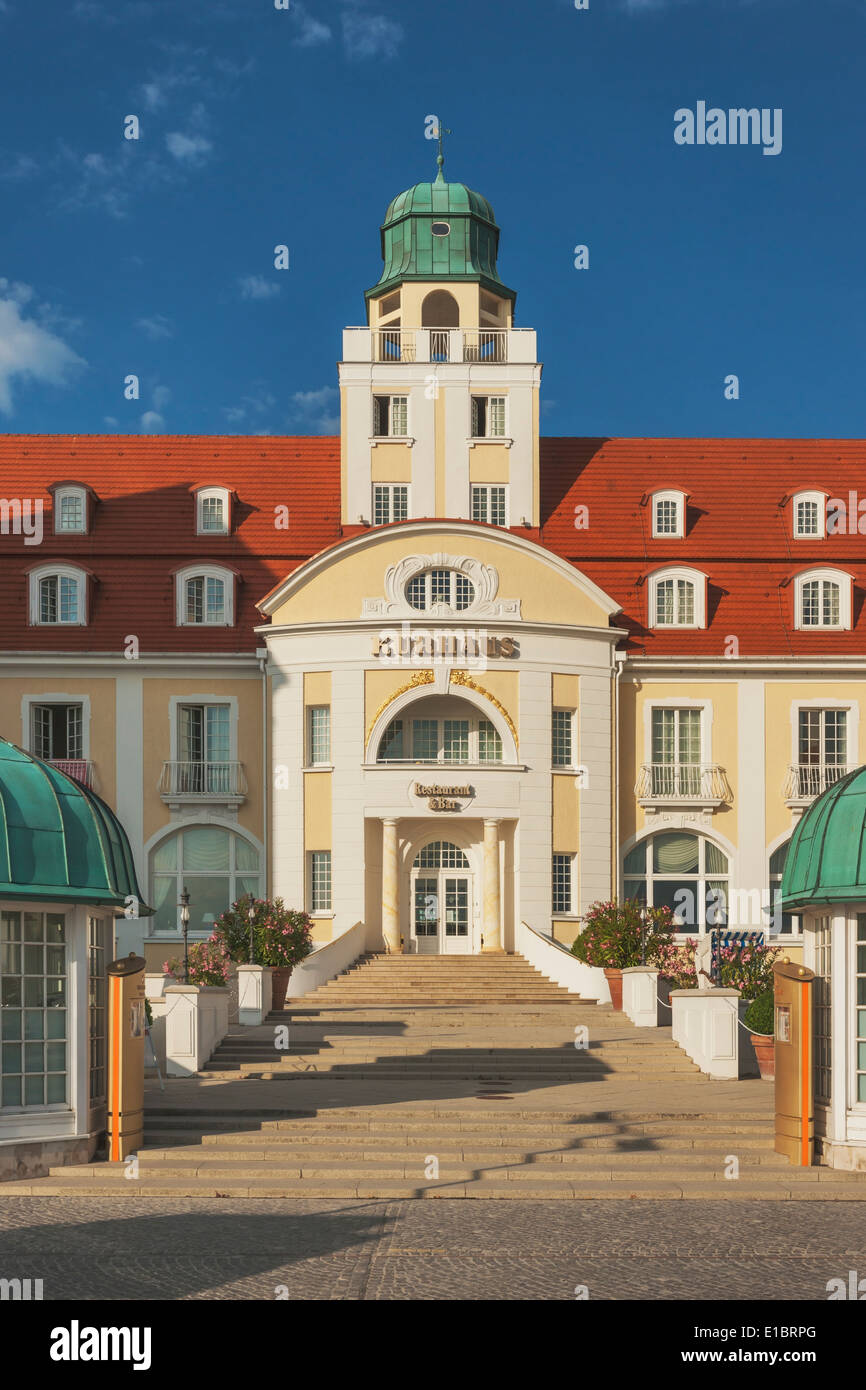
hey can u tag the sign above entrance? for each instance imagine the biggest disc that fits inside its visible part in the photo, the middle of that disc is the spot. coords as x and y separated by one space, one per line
438 644
443 798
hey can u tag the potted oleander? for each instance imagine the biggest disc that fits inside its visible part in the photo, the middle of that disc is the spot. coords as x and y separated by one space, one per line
208 964
760 1021
617 936
280 938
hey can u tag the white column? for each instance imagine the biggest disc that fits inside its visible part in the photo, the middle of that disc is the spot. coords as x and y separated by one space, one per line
491 916
390 887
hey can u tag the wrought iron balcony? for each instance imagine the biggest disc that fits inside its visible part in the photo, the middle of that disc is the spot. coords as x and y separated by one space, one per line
78 768
804 781
483 345
201 781
695 784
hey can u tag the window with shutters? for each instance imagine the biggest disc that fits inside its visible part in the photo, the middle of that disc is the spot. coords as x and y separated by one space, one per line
488 417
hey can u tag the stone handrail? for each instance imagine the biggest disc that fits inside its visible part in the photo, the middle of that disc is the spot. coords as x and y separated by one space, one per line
556 962
328 960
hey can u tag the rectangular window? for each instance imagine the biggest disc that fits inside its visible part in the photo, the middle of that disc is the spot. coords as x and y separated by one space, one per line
319 734
562 754
675 603
821 1009
807 523
71 512
33 994
390 503
676 752
96 946
562 882
320 880
667 520
205 600
820 603
488 417
391 416
425 739
822 749
488 504
860 1010
57 732
455 743
212 518
204 749
489 743
58 599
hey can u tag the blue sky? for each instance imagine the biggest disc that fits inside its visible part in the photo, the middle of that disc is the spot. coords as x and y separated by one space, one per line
261 126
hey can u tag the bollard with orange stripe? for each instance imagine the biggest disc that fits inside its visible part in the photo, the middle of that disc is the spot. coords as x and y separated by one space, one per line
795 1111
126 1033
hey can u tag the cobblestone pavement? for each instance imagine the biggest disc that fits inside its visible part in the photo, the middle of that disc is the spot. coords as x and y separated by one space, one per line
150 1249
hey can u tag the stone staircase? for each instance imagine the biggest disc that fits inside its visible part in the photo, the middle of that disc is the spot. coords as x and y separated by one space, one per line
450 1076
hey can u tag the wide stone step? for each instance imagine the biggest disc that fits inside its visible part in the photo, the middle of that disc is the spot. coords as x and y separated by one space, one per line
416 1155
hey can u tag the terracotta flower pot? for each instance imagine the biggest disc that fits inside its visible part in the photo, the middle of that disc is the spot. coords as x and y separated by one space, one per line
280 976
614 981
765 1051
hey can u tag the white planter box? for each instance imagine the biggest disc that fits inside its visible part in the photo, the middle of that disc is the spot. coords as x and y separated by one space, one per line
196 1020
255 994
705 1024
640 985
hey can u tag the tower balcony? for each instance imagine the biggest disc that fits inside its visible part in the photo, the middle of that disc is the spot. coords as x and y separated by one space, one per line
436 345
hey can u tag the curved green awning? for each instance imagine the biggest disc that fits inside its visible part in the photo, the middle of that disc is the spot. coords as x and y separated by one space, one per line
826 861
59 841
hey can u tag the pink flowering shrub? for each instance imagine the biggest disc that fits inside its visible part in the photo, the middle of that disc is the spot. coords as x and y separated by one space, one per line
281 936
746 966
613 933
676 963
208 963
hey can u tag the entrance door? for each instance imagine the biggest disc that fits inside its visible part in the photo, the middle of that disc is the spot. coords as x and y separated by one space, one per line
441 900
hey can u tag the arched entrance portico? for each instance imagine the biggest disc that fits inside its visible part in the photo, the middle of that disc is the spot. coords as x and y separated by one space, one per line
441 901
441 886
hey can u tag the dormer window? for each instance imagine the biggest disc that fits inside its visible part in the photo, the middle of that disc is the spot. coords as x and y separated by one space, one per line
205 597
70 506
669 512
822 599
440 589
58 596
809 510
212 511
677 598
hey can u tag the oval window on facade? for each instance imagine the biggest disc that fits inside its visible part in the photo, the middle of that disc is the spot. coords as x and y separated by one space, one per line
440 588
441 228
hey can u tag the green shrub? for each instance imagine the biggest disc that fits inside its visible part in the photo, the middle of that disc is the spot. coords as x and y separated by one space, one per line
760 1015
613 932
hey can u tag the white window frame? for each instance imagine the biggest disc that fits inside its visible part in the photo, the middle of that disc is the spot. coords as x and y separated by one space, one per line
391 397
80 494
205 494
198 822
58 571
824 576
572 724
489 396
677 497
851 708
204 572
820 500
310 760
697 579
486 489
320 911
561 912
390 491
441 606
55 698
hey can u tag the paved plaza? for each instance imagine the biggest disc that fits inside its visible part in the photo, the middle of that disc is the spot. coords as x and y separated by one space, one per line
174 1249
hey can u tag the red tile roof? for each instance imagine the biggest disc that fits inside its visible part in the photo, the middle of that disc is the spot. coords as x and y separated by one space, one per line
738 531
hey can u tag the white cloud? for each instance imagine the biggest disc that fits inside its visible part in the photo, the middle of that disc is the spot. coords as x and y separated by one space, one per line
22 167
371 36
315 412
156 327
161 397
257 287
310 31
188 149
28 349
110 421
258 402
152 422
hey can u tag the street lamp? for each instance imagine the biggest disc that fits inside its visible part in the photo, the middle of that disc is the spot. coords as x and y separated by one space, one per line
251 916
184 923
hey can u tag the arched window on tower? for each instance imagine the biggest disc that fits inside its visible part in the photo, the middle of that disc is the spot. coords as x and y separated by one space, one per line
439 313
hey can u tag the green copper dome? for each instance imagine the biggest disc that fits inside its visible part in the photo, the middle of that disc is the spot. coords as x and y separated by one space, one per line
59 842
440 231
826 861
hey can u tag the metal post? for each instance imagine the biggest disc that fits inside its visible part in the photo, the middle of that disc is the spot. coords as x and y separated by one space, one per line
251 916
184 922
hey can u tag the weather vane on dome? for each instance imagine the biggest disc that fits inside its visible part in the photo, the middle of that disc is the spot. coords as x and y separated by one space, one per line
441 130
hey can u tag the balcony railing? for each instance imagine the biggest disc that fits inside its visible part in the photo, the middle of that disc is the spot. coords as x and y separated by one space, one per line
203 781
79 768
439 345
804 781
705 783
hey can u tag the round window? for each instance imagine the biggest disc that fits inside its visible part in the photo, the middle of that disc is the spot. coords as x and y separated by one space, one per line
441 228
